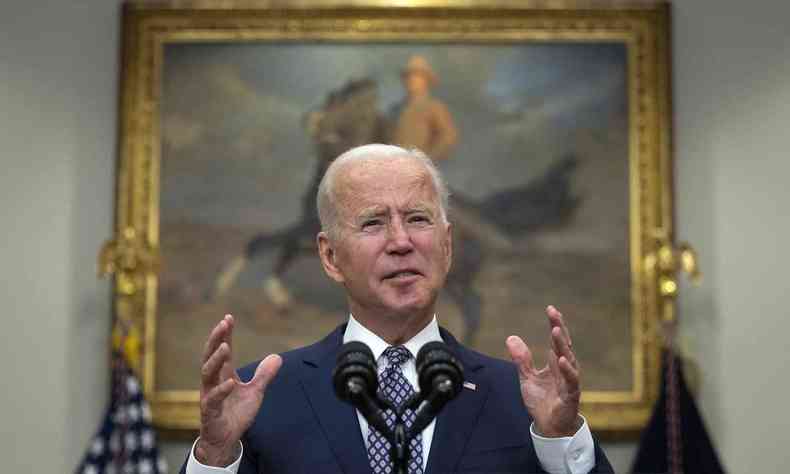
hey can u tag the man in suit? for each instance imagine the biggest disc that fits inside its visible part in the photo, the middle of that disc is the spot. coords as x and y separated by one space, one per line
385 237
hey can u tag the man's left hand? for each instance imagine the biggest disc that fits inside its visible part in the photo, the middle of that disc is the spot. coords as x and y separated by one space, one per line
551 394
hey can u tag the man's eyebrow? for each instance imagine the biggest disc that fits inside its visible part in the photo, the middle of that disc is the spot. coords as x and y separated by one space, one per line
420 207
375 211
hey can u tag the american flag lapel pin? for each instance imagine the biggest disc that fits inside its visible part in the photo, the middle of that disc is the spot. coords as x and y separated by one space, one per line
470 386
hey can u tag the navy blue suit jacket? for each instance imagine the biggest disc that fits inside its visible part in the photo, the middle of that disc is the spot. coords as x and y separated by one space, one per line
303 427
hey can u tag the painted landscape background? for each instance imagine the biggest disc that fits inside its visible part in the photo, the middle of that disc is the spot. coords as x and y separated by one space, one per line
237 161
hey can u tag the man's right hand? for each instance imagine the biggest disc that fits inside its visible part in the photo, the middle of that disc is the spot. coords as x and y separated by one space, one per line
227 405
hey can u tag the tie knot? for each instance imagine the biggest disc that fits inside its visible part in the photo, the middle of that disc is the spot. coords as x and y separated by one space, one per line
397 355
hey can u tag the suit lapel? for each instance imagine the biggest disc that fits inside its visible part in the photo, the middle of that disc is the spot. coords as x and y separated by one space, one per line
337 419
340 425
456 421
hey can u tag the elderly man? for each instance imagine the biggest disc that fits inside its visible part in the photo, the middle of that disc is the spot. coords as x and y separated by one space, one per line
387 241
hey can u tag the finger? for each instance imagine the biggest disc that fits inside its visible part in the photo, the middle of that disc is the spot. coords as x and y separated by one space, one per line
211 369
266 371
229 333
560 346
570 376
553 363
521 355
228 369
557 320
216 337
211 403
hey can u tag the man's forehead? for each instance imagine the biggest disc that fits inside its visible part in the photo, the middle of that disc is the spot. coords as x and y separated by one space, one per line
373 185
397 174
406 206
393 165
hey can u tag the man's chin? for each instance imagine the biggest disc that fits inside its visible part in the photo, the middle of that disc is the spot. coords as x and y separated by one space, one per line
410 307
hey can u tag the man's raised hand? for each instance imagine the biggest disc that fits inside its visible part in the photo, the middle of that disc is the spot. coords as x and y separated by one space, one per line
551 394
227 405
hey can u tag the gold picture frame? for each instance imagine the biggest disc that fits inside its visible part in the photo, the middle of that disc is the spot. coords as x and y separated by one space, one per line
640 30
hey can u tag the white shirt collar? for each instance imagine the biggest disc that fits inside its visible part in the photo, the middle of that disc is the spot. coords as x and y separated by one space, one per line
357 332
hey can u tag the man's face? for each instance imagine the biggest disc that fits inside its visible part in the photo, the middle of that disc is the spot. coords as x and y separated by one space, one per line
415 83
393 249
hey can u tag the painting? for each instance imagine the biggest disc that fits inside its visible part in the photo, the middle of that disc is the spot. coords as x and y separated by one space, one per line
547 125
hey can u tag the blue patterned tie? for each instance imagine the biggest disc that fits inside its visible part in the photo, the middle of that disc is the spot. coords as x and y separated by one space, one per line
394 387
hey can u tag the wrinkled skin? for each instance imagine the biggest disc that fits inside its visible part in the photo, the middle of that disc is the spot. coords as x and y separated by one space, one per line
393 248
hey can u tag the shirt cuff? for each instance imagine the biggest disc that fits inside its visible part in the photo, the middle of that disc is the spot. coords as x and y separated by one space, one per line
567 455
195 467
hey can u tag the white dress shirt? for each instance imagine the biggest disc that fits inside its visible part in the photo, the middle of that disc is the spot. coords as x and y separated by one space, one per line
569 455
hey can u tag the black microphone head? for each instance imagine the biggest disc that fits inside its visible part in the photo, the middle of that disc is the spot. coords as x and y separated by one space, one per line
437 362
355 347
355 362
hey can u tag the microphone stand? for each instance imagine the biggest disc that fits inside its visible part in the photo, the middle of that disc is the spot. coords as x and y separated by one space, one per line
425 410
371 409
400 447
355 381
400 437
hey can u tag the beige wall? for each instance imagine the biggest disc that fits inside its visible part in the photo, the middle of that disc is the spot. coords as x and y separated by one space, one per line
732 105
58 88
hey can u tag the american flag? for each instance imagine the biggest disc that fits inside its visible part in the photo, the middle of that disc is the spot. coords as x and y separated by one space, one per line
126 442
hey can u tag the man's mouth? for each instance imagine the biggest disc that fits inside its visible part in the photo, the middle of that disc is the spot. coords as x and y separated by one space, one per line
399 274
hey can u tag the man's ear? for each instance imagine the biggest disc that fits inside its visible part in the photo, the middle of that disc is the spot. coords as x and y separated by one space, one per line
326 251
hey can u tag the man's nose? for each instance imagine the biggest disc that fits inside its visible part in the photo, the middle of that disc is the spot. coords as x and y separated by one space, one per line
399 240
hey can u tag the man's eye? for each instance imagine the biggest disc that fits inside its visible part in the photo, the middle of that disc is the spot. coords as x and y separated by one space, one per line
419 219
371 223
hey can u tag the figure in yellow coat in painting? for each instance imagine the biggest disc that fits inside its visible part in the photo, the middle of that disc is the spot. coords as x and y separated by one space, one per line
423 121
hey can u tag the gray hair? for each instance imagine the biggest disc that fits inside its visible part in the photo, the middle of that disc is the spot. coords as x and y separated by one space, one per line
327 210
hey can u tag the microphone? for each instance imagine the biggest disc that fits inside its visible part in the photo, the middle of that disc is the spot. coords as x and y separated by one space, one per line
440 375
355 381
